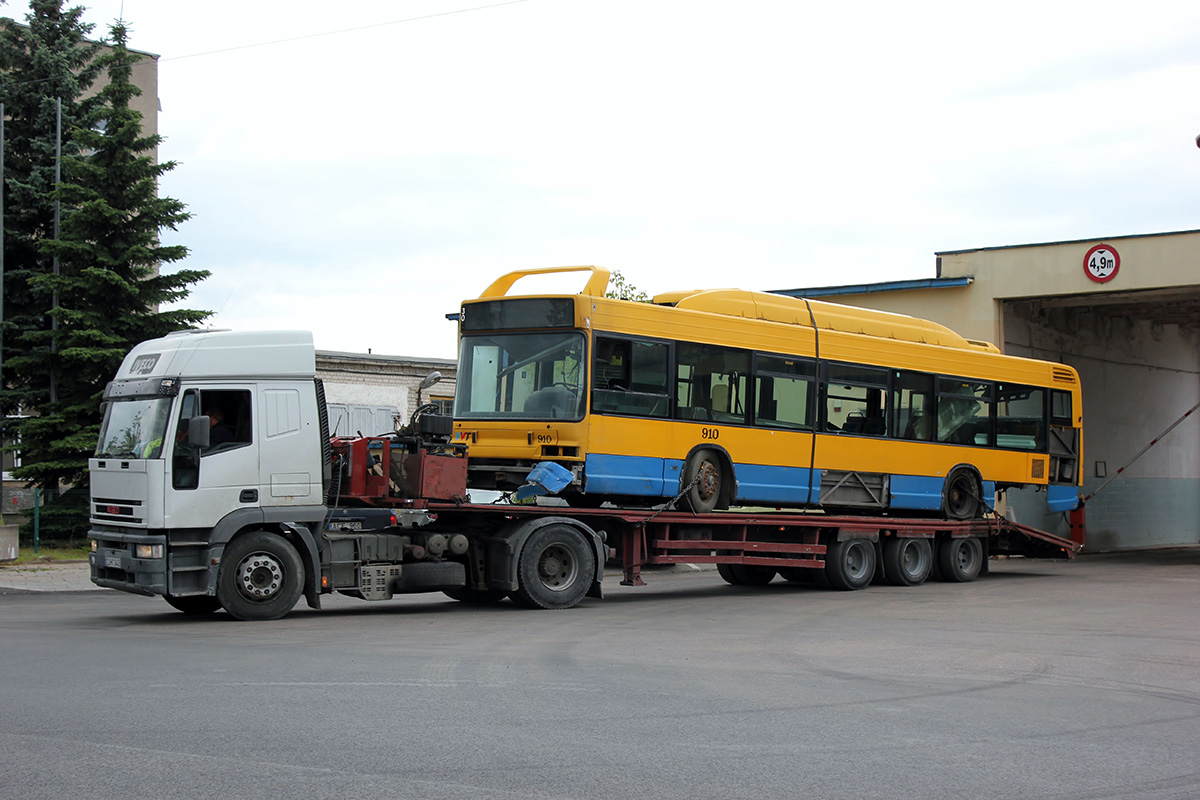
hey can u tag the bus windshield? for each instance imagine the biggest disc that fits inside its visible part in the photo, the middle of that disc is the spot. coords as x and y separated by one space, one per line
521 376
133 428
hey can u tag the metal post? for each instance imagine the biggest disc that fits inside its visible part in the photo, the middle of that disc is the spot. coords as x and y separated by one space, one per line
37 518
57 210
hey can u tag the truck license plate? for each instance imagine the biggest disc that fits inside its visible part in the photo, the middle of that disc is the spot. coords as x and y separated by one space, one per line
112 561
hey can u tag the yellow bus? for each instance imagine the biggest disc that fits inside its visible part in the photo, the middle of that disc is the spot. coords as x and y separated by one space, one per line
735 398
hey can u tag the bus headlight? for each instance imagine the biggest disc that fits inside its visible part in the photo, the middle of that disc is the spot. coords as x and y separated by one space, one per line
148 551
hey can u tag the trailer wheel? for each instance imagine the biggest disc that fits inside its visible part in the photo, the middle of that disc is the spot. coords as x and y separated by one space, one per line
960 560
961 495
702 476
195 605
261 577
556 569
746 574
907 561
850 564
476 597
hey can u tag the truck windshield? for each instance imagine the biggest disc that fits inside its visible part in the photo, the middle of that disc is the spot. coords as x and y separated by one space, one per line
521 375
134 428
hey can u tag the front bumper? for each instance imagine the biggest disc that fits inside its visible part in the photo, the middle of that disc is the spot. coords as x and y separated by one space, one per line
180 571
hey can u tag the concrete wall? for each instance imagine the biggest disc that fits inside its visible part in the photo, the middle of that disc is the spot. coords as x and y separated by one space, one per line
382 381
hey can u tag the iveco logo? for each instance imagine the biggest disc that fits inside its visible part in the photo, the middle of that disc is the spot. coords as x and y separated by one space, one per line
144 365
114 509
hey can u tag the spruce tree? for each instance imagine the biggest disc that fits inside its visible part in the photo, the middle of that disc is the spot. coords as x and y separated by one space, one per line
42 63
110 283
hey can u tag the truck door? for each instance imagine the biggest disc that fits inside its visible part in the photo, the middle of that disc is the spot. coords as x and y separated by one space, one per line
209 482
289 445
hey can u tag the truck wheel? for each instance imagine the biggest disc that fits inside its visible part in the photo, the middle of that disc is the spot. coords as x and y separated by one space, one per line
476 597
907 561
850 564
702 474
261 576
961 495
556 569
195 605
746 574
960 560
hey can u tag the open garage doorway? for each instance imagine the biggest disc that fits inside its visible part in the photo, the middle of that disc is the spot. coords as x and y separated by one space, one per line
1138 357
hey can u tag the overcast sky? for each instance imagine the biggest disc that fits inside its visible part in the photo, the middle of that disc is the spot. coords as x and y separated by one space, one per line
358 169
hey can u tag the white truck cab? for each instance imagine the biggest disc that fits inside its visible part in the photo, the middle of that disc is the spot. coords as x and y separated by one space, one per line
204 434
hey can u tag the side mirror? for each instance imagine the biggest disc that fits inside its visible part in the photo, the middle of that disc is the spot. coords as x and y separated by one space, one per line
199 430
426 382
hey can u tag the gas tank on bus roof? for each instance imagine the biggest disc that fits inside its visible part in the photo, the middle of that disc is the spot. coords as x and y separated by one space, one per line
222 354
828 316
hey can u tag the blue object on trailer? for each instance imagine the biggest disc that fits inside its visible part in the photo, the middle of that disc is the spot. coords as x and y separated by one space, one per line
546 478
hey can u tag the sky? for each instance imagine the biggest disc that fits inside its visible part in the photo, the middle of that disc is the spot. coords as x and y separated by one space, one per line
359 169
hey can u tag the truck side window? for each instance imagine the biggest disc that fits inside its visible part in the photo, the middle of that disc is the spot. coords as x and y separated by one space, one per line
229 413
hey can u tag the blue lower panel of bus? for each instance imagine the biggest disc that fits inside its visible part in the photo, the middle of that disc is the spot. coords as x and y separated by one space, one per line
771 485
916 492
1062 498
631 475
924 493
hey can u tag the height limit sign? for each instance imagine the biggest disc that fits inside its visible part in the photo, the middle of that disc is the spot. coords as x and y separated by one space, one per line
1101 263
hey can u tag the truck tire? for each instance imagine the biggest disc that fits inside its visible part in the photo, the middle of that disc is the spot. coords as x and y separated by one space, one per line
746 574
261 576
476 597
556 568
960 560
195 605
850 565
907 561
702 474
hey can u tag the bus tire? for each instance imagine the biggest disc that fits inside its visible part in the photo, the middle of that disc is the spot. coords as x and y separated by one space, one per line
194 605
556 568
702 475
961 495
907 561
850 565
960 560
476 597
261 576
746 574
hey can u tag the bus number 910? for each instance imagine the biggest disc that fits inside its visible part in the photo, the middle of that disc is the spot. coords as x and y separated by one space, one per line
710 433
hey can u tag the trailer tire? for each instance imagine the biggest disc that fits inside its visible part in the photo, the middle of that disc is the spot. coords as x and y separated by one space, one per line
261 576
194 605
960 560
907 561
746 574
476 597
850 565
702 475
556 568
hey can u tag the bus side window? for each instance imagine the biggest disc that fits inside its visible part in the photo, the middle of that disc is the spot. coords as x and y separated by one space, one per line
1020 417
912 412
856 400
964 412
711 383
783 392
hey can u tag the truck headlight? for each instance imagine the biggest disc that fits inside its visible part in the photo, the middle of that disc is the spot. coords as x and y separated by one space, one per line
95 546
148 551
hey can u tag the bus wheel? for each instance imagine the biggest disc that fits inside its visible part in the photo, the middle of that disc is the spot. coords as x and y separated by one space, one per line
960 560
850 564
476 597
556 569
907 561
261 576
702 476
960 498
746 574
195 605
